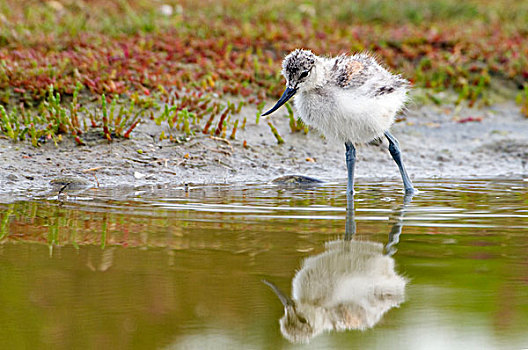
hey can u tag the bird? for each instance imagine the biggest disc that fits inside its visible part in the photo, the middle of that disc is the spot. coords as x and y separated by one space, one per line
349 98
350 286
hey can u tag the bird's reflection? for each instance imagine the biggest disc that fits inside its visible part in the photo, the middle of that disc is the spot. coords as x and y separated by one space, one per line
350 286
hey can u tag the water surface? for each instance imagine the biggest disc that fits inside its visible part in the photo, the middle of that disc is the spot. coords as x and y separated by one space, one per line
182 268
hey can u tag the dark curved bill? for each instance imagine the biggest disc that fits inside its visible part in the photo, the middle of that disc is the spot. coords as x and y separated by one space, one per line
286 95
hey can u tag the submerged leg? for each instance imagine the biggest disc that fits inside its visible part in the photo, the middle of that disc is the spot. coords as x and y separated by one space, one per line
394 149
350 226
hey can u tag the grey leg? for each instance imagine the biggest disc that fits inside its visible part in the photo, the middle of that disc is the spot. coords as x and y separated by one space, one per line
351 162
394 149
350 226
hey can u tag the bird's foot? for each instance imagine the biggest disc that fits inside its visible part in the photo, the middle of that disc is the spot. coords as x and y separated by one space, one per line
411 191
409 194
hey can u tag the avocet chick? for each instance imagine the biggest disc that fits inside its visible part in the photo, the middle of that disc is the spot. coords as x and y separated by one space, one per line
349 286
352 99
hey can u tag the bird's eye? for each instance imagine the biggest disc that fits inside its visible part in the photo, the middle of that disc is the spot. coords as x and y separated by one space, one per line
304 74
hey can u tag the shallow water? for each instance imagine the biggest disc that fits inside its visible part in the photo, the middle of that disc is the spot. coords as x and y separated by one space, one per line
108 269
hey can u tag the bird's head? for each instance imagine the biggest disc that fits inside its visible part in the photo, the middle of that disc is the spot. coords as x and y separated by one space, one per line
297 68
295 325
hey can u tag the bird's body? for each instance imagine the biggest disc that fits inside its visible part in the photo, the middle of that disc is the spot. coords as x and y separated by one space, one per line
351 99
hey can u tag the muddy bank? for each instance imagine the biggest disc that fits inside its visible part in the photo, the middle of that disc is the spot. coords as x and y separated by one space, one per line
493 142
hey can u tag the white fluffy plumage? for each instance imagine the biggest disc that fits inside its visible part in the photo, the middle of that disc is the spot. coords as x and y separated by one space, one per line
347 98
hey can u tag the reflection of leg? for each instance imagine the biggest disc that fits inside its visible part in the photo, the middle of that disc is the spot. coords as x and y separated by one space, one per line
350 162
394 238
394 149
396 230
350 226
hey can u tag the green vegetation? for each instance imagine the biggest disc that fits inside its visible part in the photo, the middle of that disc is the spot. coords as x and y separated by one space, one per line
52 119
214 51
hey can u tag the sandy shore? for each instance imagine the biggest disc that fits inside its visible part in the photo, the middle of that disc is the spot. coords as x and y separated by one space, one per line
434 143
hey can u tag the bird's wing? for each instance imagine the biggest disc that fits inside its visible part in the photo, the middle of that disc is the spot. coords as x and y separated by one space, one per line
349 72
362 69
388 86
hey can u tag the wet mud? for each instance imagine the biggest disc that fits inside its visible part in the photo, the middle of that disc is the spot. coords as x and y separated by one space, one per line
436 141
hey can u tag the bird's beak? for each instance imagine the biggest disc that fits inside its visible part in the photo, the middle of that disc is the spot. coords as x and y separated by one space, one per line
285 300
287 94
